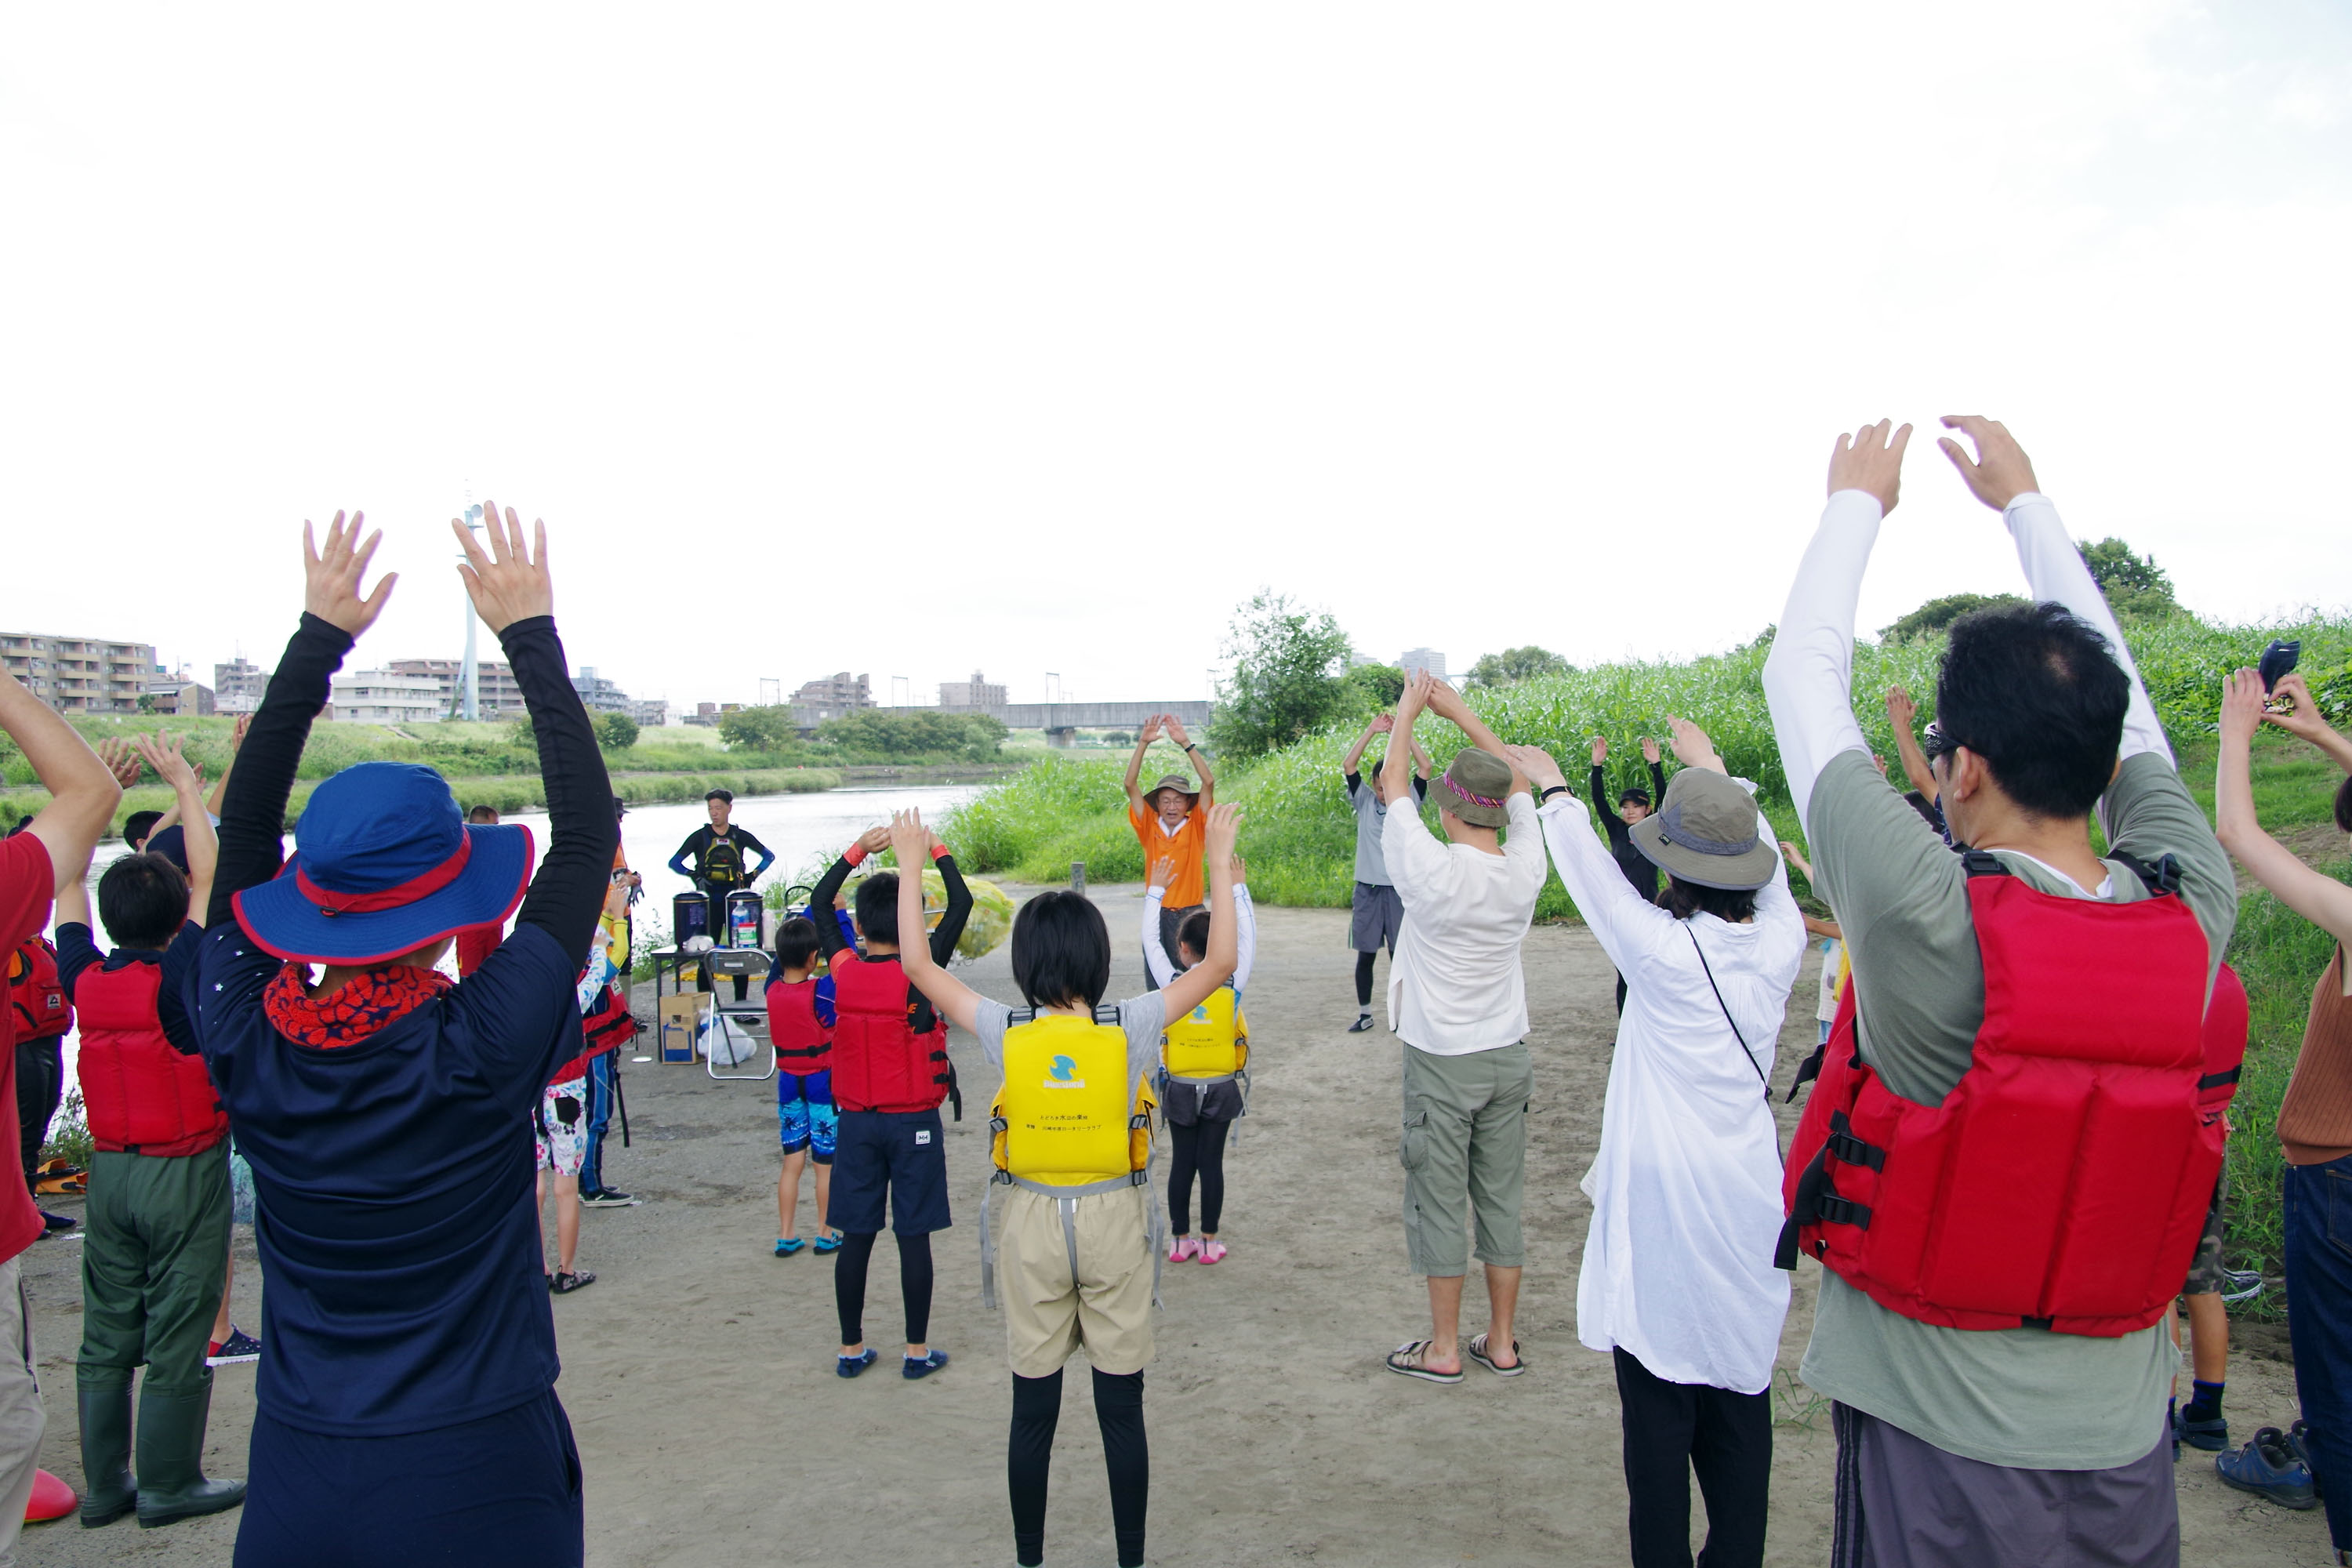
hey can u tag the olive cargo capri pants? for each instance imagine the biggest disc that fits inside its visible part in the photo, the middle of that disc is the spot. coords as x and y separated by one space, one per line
1464 1148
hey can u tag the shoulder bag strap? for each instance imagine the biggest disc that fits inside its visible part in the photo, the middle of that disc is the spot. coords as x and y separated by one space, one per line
1736 1035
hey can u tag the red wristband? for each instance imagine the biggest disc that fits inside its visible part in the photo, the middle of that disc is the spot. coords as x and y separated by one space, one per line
939 851
854 854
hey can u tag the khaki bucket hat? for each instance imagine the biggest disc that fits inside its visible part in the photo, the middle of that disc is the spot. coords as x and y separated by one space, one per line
1178 783
1704 831
1475 787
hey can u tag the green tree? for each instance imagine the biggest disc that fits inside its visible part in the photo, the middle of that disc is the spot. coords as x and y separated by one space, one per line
767 729
1938 615
1515 664
617 732
1376 686
2136 586
1286 679
896 735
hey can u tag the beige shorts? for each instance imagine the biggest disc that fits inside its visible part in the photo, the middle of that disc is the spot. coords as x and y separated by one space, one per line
1107 1309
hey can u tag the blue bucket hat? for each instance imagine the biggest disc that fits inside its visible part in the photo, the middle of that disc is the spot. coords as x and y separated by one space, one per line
384 864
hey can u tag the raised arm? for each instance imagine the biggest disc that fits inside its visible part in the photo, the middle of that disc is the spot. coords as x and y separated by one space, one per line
163 754
1597 787
1155 954
515 596
959 909
1199 760
1809 677
334 614
82 791
1143 738
1454 708
1244 926
1396 766
1355 757
1192 987
236 745
1657 774
2321 900
951 997
1902 716
826 897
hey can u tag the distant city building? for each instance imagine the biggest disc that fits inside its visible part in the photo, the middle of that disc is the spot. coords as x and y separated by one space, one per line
839 693
383 697
79 675
651 712
705 713
973 693
178 694
1419 658
496 695
601 695
237 685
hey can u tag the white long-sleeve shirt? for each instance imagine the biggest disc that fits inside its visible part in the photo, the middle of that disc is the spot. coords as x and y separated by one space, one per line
1155 956
1455 986
1686 1189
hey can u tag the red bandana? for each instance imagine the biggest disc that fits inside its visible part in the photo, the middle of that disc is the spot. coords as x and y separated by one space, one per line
370 1000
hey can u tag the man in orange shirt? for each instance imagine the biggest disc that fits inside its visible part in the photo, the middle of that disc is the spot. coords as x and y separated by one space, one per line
1171 824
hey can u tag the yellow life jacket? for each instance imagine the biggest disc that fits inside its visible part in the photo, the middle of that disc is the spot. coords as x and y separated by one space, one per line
1210 1043
1068 1119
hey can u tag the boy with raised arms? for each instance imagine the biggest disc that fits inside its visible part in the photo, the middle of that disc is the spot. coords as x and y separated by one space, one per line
1074 1267
1378 914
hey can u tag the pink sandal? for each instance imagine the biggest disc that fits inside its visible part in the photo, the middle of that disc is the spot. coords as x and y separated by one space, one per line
1183 1250
1213 1252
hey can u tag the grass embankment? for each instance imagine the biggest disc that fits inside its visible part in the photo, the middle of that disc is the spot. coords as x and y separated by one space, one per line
1299 838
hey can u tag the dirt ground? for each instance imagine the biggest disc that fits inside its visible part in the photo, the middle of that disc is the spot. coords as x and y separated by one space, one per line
699 1369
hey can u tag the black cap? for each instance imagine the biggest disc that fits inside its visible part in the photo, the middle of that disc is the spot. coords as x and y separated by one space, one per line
171 844
620 807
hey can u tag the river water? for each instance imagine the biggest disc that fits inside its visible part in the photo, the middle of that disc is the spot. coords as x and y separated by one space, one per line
806 831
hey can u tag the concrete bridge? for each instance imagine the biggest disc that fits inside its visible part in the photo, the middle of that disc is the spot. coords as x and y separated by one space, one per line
1061 720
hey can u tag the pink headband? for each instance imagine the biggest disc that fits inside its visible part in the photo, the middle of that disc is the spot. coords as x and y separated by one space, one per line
1473 799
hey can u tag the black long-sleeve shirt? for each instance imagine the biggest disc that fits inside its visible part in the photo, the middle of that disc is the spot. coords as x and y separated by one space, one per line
1640 871
566 895
944 936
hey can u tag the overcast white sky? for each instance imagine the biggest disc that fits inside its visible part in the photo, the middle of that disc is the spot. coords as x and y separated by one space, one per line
1036 337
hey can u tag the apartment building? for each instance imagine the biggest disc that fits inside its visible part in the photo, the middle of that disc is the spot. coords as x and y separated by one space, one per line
178 694
973 693
600 695
383 697
835 693
1419 658
79 675
650 712
238 685
496 695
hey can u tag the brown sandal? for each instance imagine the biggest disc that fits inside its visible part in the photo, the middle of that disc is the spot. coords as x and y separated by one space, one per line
1412 1360
1476 1349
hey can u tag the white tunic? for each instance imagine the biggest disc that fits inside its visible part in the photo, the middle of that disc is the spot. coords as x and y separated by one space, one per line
1687 1187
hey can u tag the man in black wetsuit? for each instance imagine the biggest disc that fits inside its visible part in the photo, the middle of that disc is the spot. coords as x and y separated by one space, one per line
713 857
1631 806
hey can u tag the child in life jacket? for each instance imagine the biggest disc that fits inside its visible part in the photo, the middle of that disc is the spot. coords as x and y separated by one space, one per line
158 1225
890 1074
1203 1063
559 1124
1072 1147
800 1022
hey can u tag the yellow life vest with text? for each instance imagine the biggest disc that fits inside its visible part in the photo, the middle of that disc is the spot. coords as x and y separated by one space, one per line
1209 1044
1068 1117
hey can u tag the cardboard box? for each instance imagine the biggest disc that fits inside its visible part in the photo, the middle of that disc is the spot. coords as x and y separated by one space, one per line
685 1022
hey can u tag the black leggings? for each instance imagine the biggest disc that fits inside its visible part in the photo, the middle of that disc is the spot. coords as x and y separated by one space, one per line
914 1283
1200 1148
1674 1428
1029 1459
1364 978
40 1082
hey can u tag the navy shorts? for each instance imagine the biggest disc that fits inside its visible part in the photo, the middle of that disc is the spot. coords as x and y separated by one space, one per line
902 1153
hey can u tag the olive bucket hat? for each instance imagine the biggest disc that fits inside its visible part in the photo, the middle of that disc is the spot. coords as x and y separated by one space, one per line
1476 786
1178 783
1704 831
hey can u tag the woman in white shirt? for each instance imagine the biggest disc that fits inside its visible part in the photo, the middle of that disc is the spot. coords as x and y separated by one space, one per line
1677 1281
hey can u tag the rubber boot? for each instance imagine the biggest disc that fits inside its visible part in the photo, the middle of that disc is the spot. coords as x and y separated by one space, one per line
107 1490
171 1457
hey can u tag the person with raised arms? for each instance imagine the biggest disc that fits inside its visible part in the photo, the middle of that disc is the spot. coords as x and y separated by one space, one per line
2017 1068
1170 823
1078 1263
1376 914
405 1407
1458 1003
1677 1284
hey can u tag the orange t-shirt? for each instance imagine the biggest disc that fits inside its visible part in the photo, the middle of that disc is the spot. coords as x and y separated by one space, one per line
1184 846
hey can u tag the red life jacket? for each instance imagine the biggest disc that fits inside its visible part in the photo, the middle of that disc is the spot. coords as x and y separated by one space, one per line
40 1000
879 1063
141 1096
2064 1181
803 1042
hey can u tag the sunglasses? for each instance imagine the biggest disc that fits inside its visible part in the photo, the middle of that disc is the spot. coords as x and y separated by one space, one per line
1936 744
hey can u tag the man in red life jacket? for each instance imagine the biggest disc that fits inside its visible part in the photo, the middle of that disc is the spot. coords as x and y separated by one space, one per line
159 1183
890 1073
43 1016
2010 1153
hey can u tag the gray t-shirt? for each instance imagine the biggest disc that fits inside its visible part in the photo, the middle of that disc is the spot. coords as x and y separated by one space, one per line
1364 800
2022 1397
1144 1018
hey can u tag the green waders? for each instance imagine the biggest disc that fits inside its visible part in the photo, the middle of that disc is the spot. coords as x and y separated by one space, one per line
154 1261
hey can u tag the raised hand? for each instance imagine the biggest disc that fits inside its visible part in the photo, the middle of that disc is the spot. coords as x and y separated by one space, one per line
1692 746
1901 711
2001 471
2241 706
1163 875
1241 868
331 576
1224 828
1175 727
1150 732
1796 857
1599 749
1535 767
2299 715
1415 697
1650 749
909 838
1382 724
120 759
162 750
508 584
1871 461
1444 701
237 732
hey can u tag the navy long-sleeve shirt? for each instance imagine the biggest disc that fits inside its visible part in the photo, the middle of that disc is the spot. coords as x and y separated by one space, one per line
1639 868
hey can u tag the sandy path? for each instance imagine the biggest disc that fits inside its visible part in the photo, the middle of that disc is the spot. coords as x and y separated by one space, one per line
698 1375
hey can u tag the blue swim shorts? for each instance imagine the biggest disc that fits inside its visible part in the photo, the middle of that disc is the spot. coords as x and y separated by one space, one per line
805 1116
